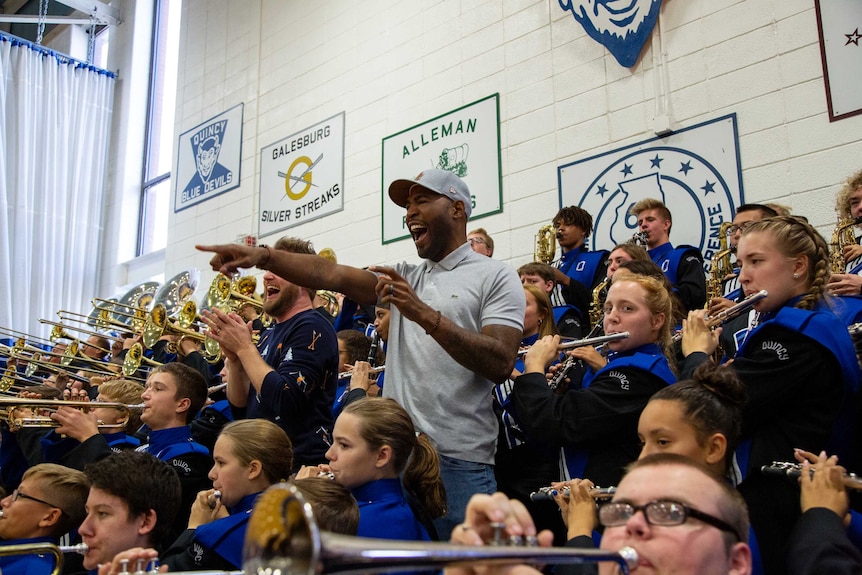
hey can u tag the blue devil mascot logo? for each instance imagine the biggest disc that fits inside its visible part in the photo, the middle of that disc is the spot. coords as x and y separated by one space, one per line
621 26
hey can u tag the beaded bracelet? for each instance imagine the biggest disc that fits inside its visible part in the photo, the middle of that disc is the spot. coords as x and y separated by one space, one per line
436 323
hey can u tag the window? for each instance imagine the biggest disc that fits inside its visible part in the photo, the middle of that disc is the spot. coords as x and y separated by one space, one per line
156 189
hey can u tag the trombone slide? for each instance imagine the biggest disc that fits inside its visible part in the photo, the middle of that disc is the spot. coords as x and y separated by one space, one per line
282 536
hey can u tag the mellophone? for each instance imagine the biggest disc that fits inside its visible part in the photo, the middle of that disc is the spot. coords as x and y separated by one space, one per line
794 471
549 492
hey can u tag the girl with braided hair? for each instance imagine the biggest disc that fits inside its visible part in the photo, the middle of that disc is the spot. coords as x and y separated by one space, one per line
798 366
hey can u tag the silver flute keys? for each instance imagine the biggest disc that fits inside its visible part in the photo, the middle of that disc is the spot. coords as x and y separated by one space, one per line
214 499
499 540
548 493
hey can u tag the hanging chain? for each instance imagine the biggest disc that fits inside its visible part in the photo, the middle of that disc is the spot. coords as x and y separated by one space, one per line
40 26
91 41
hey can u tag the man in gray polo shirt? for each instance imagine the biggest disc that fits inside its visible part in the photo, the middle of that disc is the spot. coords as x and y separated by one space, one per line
456 323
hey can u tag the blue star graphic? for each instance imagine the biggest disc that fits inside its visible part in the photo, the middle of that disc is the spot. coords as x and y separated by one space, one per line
627 170
685 167
708 188
656 162
603 189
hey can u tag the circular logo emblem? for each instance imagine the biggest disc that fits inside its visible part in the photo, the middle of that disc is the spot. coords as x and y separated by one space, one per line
696 194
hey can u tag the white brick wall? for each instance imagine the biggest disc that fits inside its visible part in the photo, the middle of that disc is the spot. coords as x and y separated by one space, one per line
392 64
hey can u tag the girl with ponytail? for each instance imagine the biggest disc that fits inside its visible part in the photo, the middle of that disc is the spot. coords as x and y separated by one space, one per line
797 364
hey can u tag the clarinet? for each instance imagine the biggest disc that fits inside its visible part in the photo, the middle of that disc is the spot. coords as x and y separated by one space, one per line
372 353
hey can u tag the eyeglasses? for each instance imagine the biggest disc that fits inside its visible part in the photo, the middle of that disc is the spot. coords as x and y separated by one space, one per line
477 241
16 495
738 228
664 512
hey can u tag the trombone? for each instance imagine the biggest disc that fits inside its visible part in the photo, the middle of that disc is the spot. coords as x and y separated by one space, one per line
233 294
134 358
158 325
283 537
40 409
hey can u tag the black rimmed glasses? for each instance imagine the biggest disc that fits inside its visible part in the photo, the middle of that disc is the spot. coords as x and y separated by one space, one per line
737 228
479 241
16 495
664 512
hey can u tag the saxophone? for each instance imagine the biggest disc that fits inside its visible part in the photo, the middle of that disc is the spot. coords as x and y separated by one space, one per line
719 266
842 236
597 305
546 244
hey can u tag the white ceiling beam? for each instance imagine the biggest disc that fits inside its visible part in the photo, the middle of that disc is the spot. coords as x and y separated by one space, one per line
32 19
102 12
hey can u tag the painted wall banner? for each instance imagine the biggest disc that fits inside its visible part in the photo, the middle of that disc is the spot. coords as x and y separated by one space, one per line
302 176
465 141
839 24
695 172
208 159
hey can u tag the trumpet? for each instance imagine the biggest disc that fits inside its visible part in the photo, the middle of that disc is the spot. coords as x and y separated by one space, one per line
372 371
794 471
39 407
549 492
283 537
730 313
56 551
639 239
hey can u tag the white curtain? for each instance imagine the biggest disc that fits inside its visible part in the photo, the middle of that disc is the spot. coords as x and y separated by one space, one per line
55 116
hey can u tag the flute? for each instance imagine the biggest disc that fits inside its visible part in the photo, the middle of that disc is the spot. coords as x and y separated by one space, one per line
214 499
570 362
548 493
594 341
794 471
730 313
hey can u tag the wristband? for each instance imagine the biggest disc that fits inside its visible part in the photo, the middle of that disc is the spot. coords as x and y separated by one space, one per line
268 254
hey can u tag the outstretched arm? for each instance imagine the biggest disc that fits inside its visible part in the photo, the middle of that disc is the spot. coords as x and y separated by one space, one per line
305 270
